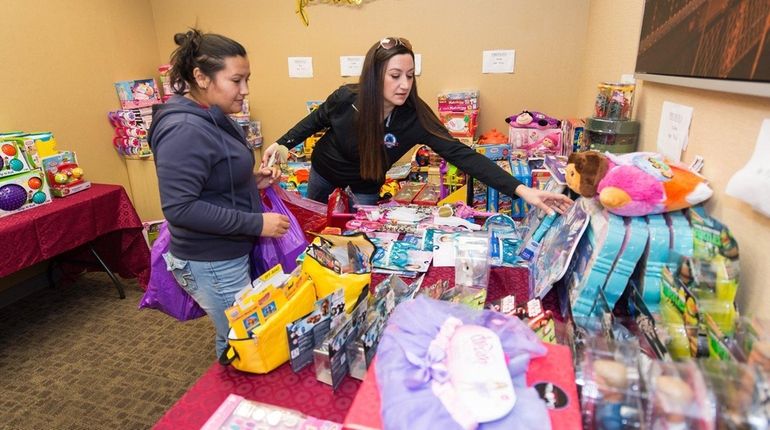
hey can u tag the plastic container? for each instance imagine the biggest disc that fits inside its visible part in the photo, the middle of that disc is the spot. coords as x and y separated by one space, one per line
614 101
615 136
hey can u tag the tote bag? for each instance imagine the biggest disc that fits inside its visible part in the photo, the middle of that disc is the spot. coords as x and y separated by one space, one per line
163 292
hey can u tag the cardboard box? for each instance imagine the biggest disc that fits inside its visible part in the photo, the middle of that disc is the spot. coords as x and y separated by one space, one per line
23 191
137 93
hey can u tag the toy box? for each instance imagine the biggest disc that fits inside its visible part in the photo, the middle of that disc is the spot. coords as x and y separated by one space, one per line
458 101
496 151
535 141
496 201
460 124
14 157
64 175
408 192
573 134
520 170
23 191
137 93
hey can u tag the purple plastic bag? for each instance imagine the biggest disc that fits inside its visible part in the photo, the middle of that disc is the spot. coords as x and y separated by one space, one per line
284 250
163 292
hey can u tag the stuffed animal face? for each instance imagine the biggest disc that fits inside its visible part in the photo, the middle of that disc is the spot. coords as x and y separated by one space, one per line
584 171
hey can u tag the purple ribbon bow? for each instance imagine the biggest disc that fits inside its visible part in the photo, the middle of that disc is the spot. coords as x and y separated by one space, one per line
426 369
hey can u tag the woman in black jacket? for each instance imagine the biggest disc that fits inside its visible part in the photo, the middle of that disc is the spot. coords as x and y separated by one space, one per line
369 126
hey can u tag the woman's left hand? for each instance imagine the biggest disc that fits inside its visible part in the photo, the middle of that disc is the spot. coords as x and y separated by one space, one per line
545 200
264 177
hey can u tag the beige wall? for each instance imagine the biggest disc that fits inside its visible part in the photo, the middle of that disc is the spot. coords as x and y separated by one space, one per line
60 60
450 35
724 131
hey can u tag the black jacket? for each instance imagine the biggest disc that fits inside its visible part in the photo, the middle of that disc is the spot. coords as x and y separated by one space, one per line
335 155
207 187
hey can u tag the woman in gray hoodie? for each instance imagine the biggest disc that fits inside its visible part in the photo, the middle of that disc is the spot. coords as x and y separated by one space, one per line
208 191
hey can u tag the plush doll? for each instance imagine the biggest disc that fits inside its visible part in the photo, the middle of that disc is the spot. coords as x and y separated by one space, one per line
635 184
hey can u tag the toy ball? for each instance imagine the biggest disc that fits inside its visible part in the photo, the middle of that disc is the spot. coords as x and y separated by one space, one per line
60 178
422 156
39 197
34 183
9 149
77 172
15 164
12 197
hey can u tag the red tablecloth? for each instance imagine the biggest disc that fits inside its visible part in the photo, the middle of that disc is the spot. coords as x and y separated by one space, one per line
101 215
301 391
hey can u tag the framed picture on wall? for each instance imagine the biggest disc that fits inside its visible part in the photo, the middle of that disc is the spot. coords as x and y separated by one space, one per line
721 45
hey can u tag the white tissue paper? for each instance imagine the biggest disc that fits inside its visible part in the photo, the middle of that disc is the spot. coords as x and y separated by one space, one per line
751 183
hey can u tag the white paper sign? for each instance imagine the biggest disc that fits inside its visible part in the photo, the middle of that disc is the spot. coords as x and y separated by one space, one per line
751 183
498 61
674 129
300 67
417 64
351 65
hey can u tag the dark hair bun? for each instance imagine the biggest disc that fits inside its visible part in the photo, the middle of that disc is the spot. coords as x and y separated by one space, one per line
193 36
179 38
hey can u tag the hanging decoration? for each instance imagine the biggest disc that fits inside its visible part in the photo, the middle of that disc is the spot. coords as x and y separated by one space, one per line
302 4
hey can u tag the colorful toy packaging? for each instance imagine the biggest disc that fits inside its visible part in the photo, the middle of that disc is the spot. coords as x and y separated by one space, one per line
612 397
131 128
65 176
23 191
535 133
14 156
458 111
137 93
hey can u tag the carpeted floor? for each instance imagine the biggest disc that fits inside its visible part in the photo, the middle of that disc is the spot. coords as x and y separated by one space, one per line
77 357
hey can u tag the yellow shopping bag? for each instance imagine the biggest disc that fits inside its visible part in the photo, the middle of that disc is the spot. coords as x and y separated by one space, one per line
269 346
327 280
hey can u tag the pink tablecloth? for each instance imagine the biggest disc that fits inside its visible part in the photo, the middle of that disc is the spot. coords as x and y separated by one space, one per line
301 391
102 216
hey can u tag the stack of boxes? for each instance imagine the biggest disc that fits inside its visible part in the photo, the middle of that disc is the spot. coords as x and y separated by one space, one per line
459 112
22 182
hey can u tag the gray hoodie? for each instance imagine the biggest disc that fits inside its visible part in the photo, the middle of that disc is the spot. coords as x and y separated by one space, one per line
207 187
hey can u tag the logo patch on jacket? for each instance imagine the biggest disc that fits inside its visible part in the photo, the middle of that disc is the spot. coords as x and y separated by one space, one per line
390 140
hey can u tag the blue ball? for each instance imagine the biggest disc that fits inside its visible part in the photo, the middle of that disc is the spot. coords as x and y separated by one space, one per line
39 197
16 164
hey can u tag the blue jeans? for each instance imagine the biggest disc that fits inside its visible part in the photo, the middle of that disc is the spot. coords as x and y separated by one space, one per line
213 285
319 189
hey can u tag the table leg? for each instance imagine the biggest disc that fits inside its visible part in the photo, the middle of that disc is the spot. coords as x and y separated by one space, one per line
115 280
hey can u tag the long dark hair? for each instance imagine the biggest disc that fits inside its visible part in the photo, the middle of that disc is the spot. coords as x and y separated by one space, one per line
204 51
370 131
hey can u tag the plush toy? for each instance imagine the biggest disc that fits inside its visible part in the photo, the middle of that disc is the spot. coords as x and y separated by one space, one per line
635 184
532 119
492 136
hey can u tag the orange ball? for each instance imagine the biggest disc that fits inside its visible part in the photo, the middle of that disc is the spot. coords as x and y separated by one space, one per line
34 183
9 149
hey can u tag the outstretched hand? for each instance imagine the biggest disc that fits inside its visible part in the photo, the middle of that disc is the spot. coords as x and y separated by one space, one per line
545 200
272 157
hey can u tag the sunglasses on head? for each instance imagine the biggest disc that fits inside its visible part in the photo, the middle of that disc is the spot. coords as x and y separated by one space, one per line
392 42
